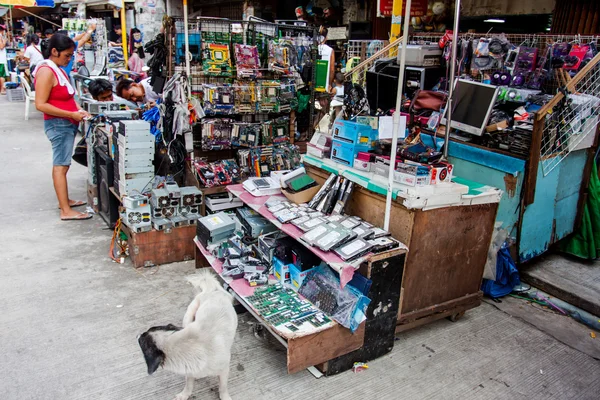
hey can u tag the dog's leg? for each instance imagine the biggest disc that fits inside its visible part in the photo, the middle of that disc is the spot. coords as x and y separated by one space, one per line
187 390
190 314
223 392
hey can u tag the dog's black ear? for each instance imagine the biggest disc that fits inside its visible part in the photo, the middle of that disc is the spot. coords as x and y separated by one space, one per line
152 354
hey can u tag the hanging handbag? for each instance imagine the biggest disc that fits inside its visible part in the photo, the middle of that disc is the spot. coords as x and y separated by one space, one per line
80 152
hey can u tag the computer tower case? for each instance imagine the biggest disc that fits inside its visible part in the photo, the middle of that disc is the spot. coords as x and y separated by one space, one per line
108 205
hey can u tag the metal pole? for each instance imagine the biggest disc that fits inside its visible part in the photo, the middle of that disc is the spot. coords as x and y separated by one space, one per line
124 34
187 45
452 74
396 117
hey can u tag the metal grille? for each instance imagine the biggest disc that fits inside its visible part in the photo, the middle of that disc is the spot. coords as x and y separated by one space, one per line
571 121
364 48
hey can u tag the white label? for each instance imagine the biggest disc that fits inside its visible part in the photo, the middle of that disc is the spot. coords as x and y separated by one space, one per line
329 238
214 221
353 247
315 232
313 223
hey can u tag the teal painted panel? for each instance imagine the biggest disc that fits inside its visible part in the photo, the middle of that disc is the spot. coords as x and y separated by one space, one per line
567 196
500 162
508 212
538 219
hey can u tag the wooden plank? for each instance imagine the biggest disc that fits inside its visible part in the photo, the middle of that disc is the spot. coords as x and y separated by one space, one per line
306 351
473 299
533 162
447 255
434 317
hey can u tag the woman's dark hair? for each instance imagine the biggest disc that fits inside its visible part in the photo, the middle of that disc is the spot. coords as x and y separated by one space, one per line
123 84
32 38
60 43
99 86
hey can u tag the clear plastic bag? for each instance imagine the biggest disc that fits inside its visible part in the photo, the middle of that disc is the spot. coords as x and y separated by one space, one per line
346 306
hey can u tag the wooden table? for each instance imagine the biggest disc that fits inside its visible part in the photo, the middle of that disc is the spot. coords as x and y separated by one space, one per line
447 251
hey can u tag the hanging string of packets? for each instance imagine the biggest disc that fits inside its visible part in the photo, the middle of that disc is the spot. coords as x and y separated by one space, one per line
249 97
224 133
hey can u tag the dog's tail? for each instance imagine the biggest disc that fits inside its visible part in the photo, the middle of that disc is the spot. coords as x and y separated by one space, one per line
205 281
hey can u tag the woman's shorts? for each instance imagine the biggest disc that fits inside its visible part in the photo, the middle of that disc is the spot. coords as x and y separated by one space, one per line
61 133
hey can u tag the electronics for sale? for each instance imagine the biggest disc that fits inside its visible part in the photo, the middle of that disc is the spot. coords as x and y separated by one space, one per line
253 223
100 107
161 224
421 55
138 217
383 244
382 85
412 174
215 228
344 153
135 201
472 105
353 249
122 115
160 198
134 156
420 78
311 236
180 220
173 189
138 127
222 201
190 195
376 233
262 186
108 205
354 133
333 238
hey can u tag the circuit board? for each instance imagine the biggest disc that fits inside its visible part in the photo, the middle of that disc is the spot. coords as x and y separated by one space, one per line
282 306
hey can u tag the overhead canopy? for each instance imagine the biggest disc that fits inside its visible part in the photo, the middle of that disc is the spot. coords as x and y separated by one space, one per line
28 3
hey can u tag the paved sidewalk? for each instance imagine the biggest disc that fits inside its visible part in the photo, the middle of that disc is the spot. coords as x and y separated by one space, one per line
70 318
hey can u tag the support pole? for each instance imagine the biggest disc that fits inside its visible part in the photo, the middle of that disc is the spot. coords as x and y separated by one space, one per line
452 75
187 46
124 34
396 117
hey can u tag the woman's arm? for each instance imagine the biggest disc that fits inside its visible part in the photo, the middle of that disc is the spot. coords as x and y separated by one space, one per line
44 81
2 42
82 38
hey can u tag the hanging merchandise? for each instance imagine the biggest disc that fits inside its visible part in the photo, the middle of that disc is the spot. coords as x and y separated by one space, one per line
216 60
217 173
245 97
216 133
269 96
247 62
218 99
260 162
157 62
575 57
279 56
287 95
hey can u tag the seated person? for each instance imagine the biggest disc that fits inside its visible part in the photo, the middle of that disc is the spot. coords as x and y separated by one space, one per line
137 92
102 90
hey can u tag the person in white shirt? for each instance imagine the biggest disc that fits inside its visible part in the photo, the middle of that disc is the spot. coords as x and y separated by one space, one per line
137 92
33 52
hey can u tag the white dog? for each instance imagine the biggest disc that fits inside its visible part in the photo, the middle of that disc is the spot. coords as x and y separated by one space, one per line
203 346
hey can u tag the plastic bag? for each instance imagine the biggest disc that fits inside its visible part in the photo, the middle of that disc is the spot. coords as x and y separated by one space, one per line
346 306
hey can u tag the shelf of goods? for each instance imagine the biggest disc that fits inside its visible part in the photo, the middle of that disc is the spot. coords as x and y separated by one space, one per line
442 276
330 347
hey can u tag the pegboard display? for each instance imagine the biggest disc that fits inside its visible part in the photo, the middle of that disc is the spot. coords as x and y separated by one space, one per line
249 74
98 46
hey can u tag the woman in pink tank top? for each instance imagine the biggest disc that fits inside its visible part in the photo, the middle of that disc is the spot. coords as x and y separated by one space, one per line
55 97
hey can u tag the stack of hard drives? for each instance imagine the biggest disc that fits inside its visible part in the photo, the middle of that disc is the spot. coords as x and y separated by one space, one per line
347 236
333 195
133 152
174 206
215 228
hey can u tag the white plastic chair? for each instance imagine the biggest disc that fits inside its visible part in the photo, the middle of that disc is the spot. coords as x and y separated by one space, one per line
29 94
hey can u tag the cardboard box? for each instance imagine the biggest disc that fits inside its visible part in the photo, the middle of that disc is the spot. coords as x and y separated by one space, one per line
497 126
362 165
441 172
301 197
412 175
297 276
317 151
345 153
354 133
281 271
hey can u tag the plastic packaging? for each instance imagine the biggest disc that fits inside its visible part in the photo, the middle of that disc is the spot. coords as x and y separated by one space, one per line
347 306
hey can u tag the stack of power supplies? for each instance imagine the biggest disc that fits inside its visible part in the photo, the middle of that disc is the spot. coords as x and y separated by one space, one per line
174 206
136 214
133 152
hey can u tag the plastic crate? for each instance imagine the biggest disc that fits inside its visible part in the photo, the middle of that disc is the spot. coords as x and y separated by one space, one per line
15 95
